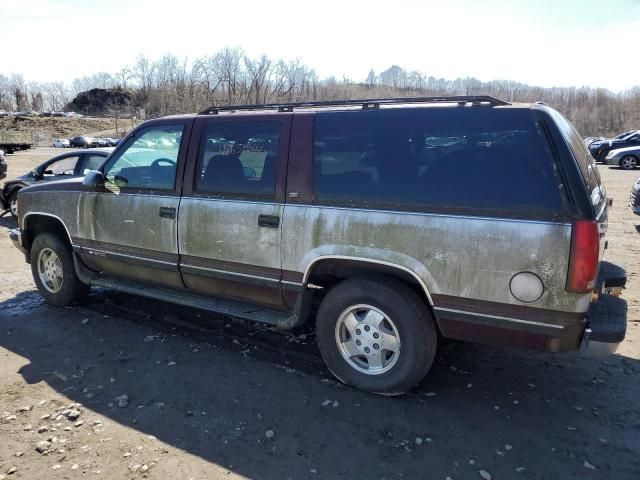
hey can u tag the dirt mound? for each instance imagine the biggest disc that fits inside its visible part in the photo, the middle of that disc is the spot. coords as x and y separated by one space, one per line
41 130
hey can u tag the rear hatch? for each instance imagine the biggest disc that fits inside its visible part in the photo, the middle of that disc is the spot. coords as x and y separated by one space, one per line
592 181
590 200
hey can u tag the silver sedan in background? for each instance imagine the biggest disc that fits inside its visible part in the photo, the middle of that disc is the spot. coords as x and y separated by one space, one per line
626 158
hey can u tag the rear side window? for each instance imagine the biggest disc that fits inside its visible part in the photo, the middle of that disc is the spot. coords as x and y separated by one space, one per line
238 159
474 159
586 163
92 162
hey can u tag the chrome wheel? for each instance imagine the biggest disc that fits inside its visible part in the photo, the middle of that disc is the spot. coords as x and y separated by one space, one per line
50 270
13 206
628 163
367 339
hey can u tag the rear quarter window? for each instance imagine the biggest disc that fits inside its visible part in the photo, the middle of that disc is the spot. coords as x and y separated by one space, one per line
471 159
586 163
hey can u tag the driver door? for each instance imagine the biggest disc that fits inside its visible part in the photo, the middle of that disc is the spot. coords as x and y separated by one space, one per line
128 228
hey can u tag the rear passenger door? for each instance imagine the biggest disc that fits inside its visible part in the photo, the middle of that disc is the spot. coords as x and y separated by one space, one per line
230 213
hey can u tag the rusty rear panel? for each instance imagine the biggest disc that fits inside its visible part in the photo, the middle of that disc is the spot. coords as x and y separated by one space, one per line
471 257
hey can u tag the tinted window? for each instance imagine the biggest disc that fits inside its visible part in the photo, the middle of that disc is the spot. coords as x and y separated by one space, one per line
149 159
92 162
66 166
470 158
238 158
586 162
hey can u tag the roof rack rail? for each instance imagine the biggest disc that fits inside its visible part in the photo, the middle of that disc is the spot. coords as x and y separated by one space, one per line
367 103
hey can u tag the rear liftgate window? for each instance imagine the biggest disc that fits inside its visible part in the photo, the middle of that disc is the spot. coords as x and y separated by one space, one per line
467 159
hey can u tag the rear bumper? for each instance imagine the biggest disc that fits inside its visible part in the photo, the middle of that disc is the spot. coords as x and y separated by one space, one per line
606 325
599 330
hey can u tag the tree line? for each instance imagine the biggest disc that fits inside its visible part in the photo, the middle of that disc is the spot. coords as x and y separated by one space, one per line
171 85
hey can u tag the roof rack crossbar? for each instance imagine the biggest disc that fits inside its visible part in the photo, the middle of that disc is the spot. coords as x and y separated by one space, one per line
368 103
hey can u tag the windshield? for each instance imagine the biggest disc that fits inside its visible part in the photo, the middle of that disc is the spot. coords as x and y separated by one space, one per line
629 135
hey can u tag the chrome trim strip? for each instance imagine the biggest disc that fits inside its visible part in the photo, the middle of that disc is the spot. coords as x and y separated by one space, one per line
238 276
515 321
305 277
218 272
105 253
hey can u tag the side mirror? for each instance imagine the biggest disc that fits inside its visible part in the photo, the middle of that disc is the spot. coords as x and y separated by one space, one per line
93 179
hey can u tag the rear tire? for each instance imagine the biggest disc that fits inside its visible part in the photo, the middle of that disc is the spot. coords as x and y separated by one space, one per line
54 272
376 335
628 162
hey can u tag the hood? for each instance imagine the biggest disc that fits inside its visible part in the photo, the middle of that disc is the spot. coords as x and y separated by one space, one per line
71 184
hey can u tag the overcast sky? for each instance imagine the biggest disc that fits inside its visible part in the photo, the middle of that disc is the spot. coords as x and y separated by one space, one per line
546 43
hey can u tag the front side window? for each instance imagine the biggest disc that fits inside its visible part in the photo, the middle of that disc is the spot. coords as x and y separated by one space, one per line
474 159
148 161
66 166
238 159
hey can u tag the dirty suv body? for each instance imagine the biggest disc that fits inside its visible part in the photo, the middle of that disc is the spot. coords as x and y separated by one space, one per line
388 223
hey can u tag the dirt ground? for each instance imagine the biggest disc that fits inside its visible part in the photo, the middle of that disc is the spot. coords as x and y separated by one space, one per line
211 397
42 130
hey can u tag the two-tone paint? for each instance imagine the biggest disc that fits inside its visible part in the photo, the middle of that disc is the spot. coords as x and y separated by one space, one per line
220 246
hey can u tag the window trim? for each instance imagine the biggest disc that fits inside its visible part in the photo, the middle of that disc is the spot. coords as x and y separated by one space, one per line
284 121
130 139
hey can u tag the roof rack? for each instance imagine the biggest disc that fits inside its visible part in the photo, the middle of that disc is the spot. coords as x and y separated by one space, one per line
365 103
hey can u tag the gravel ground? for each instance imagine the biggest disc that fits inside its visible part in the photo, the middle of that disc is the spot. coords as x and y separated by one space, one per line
128 388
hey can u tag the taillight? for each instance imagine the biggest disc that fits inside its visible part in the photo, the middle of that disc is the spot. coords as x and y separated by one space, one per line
583 262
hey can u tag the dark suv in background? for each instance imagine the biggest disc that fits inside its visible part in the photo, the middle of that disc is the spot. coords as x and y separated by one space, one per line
600 148
388 223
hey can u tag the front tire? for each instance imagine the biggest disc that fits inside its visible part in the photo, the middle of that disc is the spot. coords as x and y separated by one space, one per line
13 203
54 272
628 162
376 335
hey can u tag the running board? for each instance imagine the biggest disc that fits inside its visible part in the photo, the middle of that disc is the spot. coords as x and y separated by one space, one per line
222 306
233 308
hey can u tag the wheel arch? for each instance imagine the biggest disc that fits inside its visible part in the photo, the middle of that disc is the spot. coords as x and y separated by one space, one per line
323 271
34 223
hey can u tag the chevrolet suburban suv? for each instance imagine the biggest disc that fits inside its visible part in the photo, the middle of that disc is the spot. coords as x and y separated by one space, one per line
390 224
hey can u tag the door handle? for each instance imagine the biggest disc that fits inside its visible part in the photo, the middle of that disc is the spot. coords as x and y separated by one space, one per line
167 212
269 221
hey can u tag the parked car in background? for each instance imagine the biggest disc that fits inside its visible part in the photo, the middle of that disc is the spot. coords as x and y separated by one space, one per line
61 143
599 149
634 199
66 165
627 158
589 140
113 141
83 142
3 165
496 236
